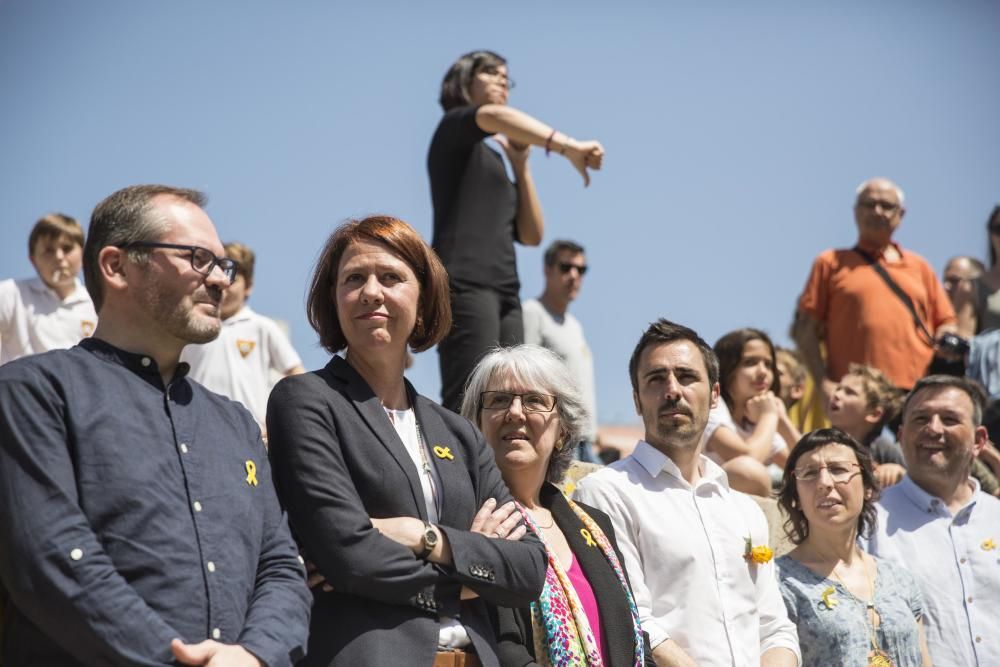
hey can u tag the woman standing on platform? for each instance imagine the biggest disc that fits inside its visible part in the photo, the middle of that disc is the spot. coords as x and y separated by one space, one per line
480 210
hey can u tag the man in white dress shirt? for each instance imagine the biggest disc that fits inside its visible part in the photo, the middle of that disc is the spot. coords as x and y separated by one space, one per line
941 526
250 348
52 311
688 540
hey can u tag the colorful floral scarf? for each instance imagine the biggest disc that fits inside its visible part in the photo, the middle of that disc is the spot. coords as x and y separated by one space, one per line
559 624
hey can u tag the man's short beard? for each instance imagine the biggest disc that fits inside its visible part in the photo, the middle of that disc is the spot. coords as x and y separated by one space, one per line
177 321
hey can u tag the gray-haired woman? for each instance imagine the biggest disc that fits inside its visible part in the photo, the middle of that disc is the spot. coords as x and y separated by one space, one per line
530 411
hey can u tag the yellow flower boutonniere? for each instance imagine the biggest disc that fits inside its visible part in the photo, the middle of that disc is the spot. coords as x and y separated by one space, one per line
988 544
827 597
759 554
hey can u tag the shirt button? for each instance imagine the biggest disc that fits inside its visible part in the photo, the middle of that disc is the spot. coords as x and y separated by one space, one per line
197 506
184 448
216 633
146 361
979 639
76 554
211 566
962 561
969 599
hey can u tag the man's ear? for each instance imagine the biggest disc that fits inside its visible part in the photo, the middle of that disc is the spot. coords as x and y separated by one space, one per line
715 395
982 437
797 391
111 266
635 400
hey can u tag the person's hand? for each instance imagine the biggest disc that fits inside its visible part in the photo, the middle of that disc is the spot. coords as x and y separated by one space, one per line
498 522
888 474
315 578
760 405
213 654
584 155
516 152
406 530
779 405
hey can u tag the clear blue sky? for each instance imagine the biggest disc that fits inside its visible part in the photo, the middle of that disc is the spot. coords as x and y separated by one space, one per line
735 135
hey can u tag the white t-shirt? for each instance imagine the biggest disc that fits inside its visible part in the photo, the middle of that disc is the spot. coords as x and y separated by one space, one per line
239 363
34 319
720 416
564 336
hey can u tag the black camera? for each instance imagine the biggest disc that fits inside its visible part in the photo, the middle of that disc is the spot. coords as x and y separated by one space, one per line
953 344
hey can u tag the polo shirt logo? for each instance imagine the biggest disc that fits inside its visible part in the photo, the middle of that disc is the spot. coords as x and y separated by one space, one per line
245 347
87 328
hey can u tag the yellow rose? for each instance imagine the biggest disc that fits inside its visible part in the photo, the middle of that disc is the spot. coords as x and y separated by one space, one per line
761 555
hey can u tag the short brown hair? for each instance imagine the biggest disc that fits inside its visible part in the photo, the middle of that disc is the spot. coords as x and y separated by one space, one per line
123 217
244 260
793 360
664 331
434 307
55 225
972 389
879 392
796 524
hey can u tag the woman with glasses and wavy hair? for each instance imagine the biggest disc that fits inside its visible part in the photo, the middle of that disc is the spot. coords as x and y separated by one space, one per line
484 201
850 607
531 413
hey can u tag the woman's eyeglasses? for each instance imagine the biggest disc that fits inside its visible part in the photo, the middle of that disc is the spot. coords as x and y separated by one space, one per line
530 402
839 472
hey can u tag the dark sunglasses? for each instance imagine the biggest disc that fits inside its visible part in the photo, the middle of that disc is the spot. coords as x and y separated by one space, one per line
566 267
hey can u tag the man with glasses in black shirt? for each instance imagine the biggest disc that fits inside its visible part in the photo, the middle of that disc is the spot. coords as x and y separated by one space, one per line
139 524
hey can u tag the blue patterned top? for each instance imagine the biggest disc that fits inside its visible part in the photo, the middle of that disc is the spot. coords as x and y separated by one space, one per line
840 636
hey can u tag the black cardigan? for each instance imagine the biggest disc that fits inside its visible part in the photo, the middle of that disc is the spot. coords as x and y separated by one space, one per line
516 646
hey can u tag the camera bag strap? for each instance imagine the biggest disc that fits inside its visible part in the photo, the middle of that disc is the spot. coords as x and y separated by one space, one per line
898 291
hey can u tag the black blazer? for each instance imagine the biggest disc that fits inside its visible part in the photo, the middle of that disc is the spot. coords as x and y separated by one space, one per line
338 462
517 646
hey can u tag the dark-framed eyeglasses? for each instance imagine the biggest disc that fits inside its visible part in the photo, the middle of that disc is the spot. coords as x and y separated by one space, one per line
840 472
530 401
491 73
566 267
886 206
203 260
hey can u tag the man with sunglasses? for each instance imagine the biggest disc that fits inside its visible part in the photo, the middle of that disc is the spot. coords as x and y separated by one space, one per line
873 304
547 322
138 522
940 525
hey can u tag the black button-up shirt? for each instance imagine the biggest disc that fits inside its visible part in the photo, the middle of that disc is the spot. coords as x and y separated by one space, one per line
132 513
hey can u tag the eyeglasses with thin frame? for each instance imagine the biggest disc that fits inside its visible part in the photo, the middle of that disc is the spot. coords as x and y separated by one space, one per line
886 206
491 73
530 401
566 267
840 472
203 260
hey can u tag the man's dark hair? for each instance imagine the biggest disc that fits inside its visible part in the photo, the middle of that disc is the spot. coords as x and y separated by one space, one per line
972 389
664 331
458 80
558 246
124 217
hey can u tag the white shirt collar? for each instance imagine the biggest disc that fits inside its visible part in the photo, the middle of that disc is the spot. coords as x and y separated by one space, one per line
653 461
78 294
241 315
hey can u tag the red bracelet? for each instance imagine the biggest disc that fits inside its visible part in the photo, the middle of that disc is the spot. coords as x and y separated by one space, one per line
548 143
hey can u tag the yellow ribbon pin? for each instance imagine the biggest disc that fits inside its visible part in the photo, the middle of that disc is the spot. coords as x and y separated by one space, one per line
988 545
828 599
443 452
587 536
251 473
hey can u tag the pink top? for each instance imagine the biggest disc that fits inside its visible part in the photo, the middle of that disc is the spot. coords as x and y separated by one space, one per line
589 602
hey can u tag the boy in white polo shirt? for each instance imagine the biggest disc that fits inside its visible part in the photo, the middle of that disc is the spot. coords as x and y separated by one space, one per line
52 311
250 348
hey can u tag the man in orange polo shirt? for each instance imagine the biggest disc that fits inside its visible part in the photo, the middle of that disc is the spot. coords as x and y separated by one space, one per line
848 306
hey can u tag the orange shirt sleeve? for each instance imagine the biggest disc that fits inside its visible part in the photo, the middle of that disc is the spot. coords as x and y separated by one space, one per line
815 297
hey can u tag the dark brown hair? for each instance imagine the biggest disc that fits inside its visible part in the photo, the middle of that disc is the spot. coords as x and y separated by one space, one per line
729 350
458 80
974 390
796 525
245 259
664 331
558 246
434 307
52 226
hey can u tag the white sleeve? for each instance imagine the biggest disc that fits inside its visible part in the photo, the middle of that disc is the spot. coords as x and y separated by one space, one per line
532 319
283 355
602 495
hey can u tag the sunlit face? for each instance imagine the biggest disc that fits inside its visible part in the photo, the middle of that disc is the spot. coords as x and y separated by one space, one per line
826 503
938 436
489 86
377 297
235 296
182 301
959 271
755 373
878 212
566 283
520 439
849 406
674 395
57 260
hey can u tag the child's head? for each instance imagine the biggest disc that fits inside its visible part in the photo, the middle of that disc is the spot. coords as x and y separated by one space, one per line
792 375
55 248
746 366
237 294
864 401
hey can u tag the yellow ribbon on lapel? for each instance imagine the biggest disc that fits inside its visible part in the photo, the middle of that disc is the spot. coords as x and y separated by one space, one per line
587 536
251 473
443 452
